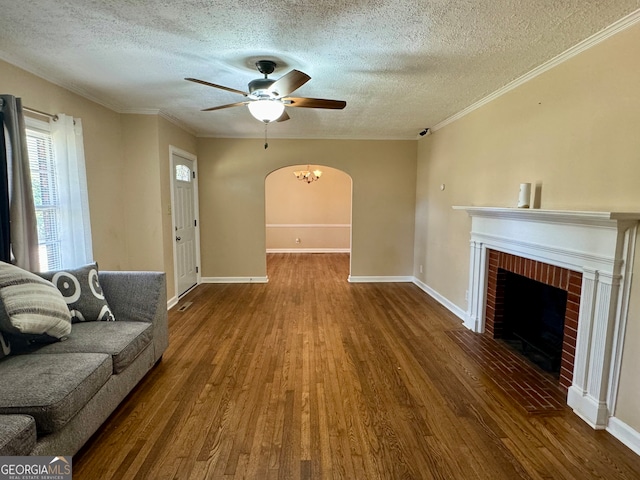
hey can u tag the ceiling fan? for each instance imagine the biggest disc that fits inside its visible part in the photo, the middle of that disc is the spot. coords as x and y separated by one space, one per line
268 98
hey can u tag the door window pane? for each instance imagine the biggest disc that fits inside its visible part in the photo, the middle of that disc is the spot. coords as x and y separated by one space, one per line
183 173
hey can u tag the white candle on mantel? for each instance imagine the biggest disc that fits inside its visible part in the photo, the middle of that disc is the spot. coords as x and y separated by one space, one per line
524 198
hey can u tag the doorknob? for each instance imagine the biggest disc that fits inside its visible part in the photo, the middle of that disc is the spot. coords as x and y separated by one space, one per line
178 239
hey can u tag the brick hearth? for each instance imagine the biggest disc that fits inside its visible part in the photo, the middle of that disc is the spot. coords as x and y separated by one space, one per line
532 390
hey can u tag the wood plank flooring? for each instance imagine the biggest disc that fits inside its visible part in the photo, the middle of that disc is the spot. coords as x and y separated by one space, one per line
310 377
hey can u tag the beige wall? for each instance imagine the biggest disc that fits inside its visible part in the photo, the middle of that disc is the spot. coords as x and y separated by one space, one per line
104 157
232 201
147 192
127 160
141 190
318 214
574 130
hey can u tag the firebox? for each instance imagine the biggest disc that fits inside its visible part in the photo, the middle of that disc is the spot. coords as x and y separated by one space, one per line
533 321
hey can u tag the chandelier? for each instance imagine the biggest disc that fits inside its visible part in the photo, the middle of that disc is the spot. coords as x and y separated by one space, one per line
308 175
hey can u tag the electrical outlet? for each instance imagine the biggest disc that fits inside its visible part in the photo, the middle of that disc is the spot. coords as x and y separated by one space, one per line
466 295
420 268
297 240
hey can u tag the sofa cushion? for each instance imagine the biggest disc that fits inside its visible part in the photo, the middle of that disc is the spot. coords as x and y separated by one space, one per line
31 305
17 435
81 289
124 341
51 388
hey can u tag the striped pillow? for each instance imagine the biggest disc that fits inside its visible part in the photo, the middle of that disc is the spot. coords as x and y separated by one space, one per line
31 305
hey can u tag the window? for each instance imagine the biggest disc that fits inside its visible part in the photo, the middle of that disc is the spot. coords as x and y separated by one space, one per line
44 183
59 183
183 173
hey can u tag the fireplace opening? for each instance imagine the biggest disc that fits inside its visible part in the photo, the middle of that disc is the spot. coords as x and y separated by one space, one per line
534 317
569 281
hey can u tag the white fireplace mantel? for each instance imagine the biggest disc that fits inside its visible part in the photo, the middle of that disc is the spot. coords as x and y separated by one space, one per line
557 216
601 246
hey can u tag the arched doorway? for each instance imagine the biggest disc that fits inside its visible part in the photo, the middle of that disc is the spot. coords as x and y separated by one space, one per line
304 217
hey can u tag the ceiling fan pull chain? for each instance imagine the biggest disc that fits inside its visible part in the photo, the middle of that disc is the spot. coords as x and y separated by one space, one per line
266 145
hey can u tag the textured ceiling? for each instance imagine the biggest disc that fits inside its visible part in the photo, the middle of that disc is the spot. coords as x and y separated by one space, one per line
401 65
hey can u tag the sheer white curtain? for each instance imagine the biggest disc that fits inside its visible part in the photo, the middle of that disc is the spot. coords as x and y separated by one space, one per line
75 232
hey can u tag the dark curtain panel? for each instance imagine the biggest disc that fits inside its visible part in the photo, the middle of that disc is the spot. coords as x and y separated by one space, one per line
5 222
24 234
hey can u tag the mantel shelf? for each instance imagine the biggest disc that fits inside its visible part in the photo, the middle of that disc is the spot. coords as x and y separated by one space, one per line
552 216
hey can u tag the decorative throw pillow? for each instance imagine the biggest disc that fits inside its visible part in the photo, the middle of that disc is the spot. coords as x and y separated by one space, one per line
31 305
81 290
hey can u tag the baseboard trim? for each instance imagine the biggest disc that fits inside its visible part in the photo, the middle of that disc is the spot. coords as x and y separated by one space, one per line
308 250
235 279
379 279
446 303
308 225
589 409
172 302
624 433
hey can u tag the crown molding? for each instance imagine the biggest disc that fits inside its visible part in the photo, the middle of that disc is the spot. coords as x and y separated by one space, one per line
16 62
160 113
292 137
613 29
140 111
177 123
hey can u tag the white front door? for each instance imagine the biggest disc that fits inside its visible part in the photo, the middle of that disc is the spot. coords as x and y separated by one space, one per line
184 213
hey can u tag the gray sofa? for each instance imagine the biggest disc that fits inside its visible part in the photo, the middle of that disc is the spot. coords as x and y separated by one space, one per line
55 397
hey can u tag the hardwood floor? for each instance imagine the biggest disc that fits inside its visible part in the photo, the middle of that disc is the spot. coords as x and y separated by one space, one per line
309 376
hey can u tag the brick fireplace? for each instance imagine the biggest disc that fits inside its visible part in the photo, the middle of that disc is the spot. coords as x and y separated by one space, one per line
588 254
498 263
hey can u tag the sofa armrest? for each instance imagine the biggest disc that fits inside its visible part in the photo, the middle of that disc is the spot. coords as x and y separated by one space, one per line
139 297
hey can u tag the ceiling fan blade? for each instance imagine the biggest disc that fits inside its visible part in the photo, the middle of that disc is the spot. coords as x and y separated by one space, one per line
314 103
220 107
289 83
221 87
284 117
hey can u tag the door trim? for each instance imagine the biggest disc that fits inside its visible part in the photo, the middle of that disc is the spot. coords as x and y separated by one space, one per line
196 210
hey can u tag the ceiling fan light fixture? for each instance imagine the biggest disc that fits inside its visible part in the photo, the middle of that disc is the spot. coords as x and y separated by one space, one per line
268 98
266 110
